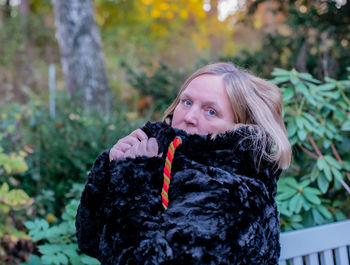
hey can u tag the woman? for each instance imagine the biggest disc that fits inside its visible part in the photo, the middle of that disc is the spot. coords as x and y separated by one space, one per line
209 197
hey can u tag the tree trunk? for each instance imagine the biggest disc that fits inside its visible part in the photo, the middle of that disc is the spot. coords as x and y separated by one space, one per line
81 53
24 8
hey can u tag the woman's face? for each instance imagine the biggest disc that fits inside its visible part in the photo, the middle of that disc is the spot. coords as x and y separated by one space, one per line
204 107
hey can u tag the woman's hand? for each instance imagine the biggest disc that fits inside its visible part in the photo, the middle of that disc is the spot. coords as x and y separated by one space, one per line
135 144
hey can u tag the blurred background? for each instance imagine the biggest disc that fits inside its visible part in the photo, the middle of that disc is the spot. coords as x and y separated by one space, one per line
75 76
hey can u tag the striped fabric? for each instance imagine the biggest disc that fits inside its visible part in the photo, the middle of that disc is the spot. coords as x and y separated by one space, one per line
167 170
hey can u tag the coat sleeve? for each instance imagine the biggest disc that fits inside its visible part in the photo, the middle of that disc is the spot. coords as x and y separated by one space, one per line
89 219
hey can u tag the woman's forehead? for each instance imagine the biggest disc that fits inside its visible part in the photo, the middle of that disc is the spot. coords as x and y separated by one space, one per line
206 86
208 90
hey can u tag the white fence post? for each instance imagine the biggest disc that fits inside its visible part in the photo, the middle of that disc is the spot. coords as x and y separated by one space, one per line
52 88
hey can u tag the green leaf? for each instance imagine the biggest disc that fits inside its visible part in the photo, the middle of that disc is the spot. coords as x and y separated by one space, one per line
49 249
297 226
287 93
90 261
327 173
321 163
29 225
307 124
337 185
299 122
295 203
314 173
329 106
346 126
306 204
339 216
332 95
61 259
76 260
317 216
331 127
332 161
293 140
296 218
308 77
286 193
323 210
279 72
339 115
283 208
294 80
338 176
311 119
311 197
330 80
300 87
292 183
279 80
47 259
322 183
346 165
326 87
311 99
313 190
305 183
291 129
302 134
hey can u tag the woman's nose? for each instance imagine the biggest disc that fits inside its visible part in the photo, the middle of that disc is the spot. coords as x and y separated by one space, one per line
191 116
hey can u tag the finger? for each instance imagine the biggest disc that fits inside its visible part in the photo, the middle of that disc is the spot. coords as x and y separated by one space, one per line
122 146
152 147
119 154
141 148
129 153
139 134
130 140
115 154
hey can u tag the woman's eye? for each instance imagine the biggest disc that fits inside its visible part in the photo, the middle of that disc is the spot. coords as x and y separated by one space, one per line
211 112
186 102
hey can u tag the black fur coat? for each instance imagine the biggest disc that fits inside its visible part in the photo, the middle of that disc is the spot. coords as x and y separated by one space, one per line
221 208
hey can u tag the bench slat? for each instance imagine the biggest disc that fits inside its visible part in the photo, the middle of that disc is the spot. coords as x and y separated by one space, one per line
314 239
327 257
297 261
341 256
312 259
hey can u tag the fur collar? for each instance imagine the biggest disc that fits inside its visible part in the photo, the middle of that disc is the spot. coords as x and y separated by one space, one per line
233 149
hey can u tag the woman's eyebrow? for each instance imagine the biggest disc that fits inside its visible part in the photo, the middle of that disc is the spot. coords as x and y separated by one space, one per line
213 104
186 95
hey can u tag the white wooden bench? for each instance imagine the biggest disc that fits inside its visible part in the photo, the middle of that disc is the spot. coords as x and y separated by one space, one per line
321 245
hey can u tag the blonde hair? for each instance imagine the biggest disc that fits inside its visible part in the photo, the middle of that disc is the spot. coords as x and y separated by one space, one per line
255 102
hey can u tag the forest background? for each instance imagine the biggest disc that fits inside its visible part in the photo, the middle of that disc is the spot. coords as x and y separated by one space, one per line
76 77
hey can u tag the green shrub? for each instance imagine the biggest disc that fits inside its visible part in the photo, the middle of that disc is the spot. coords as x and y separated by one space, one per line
317 115
156 81
58 243
14 204
59 151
